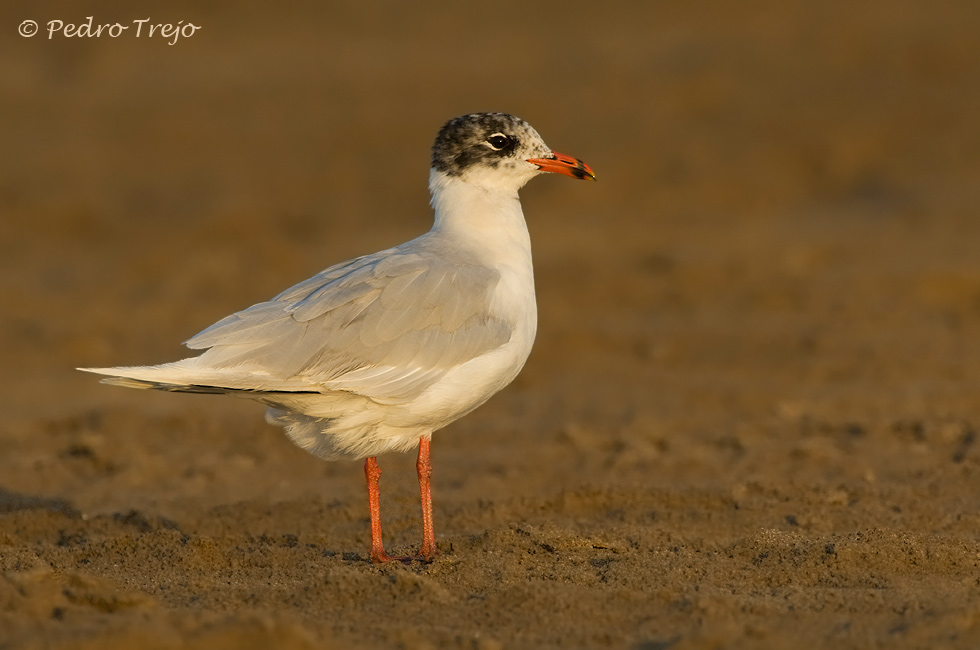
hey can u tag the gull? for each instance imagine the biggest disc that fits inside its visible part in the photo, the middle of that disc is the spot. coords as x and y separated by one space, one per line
374 354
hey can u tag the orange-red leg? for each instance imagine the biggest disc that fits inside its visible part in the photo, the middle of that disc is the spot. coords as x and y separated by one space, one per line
373 474
424 467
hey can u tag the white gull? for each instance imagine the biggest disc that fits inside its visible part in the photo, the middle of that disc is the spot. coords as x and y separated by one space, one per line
374 354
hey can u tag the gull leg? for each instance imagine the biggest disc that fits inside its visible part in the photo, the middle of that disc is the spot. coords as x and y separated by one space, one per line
424 467
373 474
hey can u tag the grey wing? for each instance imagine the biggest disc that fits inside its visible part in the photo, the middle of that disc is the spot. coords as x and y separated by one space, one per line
386 326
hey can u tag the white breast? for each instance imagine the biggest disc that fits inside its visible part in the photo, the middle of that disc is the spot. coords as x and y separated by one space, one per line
482 227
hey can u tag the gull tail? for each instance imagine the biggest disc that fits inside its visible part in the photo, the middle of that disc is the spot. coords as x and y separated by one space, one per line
172 377
190 376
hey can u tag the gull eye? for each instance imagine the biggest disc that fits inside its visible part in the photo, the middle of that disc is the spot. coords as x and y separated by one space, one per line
498 141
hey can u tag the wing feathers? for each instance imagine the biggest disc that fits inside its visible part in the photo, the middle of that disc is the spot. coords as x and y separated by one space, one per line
386 326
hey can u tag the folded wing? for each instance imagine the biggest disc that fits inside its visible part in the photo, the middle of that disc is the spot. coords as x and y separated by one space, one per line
386 326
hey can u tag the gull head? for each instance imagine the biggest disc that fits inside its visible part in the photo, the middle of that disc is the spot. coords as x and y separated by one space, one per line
498 151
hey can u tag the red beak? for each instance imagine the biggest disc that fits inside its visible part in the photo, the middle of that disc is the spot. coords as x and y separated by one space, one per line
562 164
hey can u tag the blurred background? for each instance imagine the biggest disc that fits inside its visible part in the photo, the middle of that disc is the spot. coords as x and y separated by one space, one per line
783 232
769 161
775 279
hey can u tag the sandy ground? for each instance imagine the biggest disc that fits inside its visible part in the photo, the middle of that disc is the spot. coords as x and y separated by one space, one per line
750 419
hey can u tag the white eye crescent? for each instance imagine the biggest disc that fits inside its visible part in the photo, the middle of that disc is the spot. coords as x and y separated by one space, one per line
497 141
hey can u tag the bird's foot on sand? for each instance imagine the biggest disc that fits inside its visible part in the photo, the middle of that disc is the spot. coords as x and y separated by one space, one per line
407 560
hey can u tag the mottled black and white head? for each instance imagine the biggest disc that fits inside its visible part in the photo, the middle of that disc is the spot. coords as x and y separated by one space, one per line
497 150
